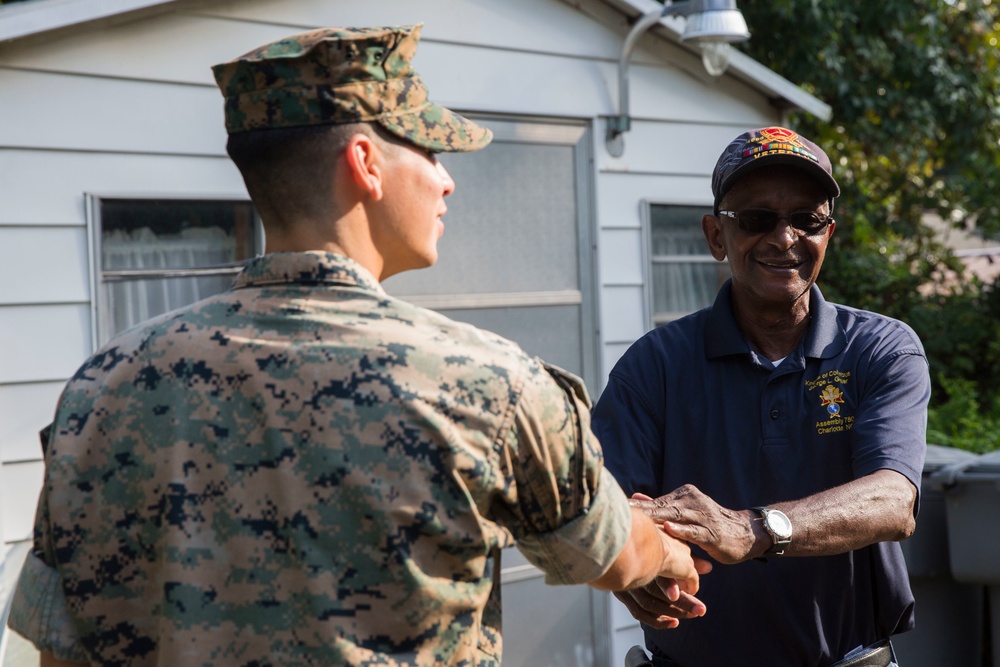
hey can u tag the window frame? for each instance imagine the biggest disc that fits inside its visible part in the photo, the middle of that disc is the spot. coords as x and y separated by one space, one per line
93 202
578 135
649 259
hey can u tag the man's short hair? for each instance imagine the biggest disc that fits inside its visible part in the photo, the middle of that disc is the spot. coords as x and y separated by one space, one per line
289 171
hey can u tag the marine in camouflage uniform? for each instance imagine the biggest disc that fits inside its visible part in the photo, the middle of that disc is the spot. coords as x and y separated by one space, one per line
304 470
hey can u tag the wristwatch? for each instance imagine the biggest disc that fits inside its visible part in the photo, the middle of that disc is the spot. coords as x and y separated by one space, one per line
778 527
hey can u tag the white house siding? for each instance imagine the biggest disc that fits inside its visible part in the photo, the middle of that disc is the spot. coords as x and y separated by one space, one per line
129 106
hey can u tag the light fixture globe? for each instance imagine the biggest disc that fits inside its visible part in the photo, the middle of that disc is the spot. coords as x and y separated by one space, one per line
711 25
715 57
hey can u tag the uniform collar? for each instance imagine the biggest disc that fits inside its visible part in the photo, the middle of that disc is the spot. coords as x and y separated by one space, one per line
824 339
306 268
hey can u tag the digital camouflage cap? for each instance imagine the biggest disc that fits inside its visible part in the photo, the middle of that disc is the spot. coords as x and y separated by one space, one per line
342 75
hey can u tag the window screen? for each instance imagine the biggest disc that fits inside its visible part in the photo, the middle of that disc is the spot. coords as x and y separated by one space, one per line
516 254
156 255
684 276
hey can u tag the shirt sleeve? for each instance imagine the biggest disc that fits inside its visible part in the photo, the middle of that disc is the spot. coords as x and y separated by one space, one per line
40 614
570 518
39 611
890 431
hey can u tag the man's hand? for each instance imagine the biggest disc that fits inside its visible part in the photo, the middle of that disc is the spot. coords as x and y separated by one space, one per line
878 507
728 536
661 604
650 553
680 572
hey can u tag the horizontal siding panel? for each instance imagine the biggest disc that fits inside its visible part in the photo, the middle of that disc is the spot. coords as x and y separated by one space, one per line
20 484
622 311
58 198
619 196
42 343
24 410
620 256
514 82
61 111
678 88
221 33
537 25
148 117
137 116
149 46
610 354
143 116
675 148
43 265
519 82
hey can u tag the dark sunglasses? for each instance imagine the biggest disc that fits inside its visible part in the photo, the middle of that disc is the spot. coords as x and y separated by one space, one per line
763 221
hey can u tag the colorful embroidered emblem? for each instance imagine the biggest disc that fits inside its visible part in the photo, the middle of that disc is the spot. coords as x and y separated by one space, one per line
776 140
831 397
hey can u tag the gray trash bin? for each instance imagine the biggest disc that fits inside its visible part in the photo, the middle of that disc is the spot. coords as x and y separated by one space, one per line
949 614
972 504
973 509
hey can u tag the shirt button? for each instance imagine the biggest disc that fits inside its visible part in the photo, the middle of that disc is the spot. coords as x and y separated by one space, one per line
775 414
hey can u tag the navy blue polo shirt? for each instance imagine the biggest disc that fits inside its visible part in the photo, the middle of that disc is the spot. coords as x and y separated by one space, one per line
691 402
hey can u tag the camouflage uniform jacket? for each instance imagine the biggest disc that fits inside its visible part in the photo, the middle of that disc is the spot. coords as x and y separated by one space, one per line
306 471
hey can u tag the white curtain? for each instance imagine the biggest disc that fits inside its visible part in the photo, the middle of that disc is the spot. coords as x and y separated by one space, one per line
134 300
682 287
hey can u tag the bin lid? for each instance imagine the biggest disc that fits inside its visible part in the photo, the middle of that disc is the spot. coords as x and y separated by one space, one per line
988 463
938 457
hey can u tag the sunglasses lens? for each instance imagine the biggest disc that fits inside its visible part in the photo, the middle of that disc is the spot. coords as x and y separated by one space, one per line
810 223
763 221
757 221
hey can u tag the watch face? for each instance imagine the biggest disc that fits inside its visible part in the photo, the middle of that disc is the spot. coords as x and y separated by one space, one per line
779 524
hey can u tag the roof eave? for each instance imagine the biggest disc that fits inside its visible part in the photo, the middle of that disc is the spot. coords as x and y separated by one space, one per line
754 73
24 19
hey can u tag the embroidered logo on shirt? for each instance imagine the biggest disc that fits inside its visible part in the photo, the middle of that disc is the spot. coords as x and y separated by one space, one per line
831 397
830 387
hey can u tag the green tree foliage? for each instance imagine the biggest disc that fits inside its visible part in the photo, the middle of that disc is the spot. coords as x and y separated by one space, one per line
915 90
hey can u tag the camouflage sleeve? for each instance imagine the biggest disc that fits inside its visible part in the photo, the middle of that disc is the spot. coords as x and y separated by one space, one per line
39 611
572 517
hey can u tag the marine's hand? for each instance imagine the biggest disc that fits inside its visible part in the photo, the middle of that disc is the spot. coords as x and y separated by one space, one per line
688 514
661 604
679 566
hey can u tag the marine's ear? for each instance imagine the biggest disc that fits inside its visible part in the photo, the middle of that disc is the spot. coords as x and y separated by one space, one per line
364 162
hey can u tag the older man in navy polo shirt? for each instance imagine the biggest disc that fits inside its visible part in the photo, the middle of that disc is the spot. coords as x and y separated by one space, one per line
782 428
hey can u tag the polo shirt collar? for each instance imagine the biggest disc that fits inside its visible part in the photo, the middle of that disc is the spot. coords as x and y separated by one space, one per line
824 339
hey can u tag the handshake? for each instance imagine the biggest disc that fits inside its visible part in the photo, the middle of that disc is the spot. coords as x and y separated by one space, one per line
662 594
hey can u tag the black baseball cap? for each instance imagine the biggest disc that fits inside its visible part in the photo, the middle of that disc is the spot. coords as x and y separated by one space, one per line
769 146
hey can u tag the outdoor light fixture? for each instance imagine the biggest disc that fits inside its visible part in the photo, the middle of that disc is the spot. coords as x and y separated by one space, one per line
712 24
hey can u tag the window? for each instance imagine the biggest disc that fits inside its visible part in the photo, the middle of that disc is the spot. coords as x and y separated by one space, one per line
516 255
684 277
158 254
